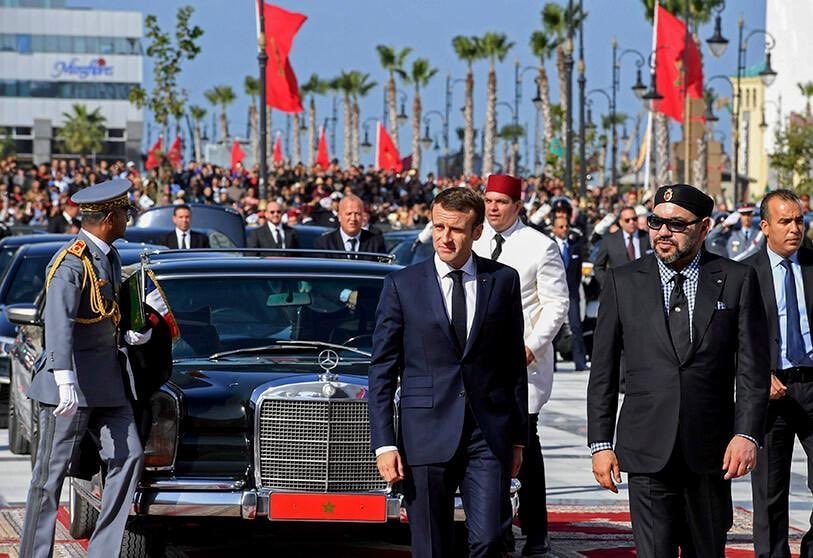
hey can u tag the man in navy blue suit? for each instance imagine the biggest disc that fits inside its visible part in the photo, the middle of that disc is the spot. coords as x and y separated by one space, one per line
451 330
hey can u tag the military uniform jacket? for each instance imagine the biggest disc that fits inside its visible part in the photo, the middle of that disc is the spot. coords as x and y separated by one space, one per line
81 327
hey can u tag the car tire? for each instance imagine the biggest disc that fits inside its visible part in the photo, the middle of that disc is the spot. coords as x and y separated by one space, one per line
139 541
83 515
17 444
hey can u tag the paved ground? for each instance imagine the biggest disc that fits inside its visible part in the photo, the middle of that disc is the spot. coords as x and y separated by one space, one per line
563 439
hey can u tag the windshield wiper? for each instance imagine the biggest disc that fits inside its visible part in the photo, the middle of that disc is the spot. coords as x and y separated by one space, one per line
285 345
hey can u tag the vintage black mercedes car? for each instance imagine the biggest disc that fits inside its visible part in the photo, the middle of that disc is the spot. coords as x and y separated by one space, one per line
264 415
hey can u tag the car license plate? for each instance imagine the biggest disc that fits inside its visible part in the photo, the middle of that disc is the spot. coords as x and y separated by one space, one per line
286 506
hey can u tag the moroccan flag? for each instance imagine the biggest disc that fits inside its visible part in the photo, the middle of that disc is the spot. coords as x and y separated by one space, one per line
670 55
153 155
154 297
237 153
386 154
282 89
322 158
174 153
277 157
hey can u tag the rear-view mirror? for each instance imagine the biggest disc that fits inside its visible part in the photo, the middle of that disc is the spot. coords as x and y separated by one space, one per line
22 314
288 299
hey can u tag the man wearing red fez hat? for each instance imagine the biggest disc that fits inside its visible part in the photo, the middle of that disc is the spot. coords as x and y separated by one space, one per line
65 221
545 301
693 331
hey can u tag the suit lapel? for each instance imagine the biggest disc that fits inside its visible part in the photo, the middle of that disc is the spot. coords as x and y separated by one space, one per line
709 286
485 283
436 303
806 262
652 304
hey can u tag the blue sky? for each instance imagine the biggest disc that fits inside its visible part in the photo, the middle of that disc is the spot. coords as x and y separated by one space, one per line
342 35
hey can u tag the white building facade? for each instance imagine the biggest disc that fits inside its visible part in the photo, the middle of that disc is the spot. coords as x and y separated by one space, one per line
52 58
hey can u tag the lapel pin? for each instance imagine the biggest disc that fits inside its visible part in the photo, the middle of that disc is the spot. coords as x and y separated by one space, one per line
719 281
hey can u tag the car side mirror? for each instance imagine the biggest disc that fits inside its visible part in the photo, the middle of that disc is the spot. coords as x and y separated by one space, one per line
23 314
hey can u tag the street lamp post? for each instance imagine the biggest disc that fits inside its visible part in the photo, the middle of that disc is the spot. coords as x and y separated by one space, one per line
518 75
582 102
366 145
614 139
638 89
514 139
334 120
262 60
569 95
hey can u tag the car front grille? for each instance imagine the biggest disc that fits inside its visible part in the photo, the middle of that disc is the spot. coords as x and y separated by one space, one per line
316 446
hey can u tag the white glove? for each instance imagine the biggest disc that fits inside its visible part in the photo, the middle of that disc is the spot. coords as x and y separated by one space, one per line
732 219
134 338
68 396
425 236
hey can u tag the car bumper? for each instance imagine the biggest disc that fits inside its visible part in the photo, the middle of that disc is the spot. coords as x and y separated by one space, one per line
198 498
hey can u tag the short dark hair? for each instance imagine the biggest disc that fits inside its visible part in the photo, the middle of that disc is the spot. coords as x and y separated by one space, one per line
462 199
180 206
93 217
782 194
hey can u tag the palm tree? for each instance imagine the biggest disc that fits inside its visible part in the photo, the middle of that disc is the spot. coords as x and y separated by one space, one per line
83 131
251 86
393 60
361 87
806 89
314 86
495 48
344 84
422 71
543 48
554 24
509 134
198 114
468 49
222 96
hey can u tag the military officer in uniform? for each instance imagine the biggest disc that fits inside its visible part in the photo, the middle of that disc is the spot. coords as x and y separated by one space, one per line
543 287
79 381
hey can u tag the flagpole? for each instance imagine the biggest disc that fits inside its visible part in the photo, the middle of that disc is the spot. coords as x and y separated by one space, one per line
378 145
262 60
648 135
687 106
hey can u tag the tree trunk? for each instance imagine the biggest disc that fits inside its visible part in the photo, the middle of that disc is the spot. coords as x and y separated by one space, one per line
491 121
700 164
512 163
547 115
468 118
506 161
224 126
346 137
254 132
416 132
561 69
297 154
392 109
602 163
269 139
311 132
662 150
198 144
354 133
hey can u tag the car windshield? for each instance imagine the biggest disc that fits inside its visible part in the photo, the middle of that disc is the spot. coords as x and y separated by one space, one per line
216 314
28 280
6 255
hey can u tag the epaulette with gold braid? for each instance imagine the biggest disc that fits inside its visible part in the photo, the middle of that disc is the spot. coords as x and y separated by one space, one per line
77 248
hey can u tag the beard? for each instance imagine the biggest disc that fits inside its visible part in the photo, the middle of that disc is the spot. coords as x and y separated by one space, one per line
680 251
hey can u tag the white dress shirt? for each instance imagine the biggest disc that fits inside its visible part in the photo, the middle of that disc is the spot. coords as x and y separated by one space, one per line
636 242
545 297
277 232
778 273
346 241
183 243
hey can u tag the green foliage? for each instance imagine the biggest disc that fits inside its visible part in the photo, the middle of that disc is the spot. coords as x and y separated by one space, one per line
700 11
468 49
166 99
511 132
220 95
422 72
495 46
542 45
7 146
392 59
197 113
792 157
554 21
315 86
251 85
83 131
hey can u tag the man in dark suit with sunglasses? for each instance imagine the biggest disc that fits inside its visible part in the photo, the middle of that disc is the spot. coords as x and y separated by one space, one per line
692 326
625 245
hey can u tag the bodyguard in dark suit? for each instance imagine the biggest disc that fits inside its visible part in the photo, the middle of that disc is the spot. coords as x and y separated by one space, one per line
350 237
785 271
274 234
79 381
693 327
571 247
451 330
183 236
624 245
66 220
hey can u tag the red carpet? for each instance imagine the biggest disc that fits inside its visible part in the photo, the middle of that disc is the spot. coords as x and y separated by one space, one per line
576 532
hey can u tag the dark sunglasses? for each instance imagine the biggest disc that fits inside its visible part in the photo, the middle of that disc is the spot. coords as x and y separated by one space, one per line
674 225
273 212
628 219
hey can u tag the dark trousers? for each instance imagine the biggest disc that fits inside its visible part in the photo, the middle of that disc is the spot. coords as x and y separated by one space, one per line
578 347
788 417
484 486
678 509
533 509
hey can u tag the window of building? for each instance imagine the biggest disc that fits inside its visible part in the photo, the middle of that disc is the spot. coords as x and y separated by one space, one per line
22 132
65 89
51 43
107 45
7 43
114 134
65 43
24 44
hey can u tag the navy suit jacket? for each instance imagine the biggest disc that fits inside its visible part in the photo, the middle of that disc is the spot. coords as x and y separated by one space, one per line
413 342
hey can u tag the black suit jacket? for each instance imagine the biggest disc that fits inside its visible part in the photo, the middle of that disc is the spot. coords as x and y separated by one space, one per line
261 237
413 341
762 264
196 240
369 242
613 252
670 400
58 224
573 265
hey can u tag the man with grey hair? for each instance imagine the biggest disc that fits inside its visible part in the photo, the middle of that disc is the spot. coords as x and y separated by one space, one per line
350 236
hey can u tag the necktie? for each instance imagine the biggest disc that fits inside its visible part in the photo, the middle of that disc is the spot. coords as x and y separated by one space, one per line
745 235
679 327
458 307
796 352
111 259
353 242
565 252
278 238
184 245
630 250
498 239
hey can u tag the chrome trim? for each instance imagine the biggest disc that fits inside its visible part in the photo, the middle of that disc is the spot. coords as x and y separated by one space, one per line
171 276
189 504
194 484
248 505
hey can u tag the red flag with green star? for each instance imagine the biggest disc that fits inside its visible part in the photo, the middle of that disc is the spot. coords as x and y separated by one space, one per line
670 56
